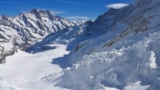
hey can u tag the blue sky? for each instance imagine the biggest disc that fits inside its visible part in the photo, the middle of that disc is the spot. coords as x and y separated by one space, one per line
66 8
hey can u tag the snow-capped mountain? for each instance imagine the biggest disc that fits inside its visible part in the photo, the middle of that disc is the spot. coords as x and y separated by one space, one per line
120 50
25 29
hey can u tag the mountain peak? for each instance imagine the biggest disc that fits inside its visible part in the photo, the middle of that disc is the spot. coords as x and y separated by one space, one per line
34 10
42 13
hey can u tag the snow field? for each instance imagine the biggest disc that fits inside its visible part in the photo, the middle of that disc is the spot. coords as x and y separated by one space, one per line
28 71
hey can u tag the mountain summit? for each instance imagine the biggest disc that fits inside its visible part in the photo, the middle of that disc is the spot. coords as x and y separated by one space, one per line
43 13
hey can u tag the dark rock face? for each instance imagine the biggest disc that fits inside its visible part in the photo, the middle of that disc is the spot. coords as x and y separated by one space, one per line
104 22
4 54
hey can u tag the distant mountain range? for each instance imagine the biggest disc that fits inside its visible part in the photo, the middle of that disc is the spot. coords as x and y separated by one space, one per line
25 29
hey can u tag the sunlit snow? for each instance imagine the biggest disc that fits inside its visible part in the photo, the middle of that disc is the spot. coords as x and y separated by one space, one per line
27 71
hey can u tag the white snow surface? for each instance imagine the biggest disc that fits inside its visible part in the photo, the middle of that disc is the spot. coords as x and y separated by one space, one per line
136 86
152 60
28 71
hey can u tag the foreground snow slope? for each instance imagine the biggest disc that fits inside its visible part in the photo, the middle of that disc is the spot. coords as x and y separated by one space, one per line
28 71
118 67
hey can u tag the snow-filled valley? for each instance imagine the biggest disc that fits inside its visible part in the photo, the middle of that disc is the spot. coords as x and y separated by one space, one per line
29 71
120 50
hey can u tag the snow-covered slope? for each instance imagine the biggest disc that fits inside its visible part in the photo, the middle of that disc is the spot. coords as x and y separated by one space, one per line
140 18
121 51
27 28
